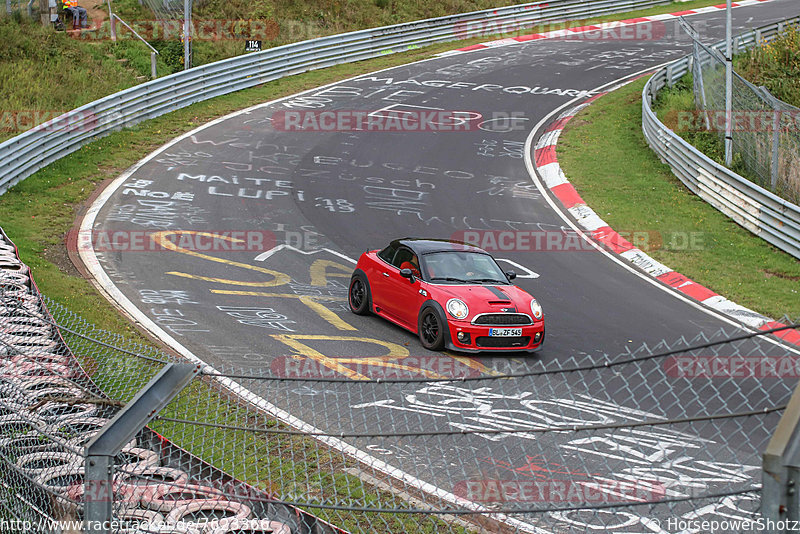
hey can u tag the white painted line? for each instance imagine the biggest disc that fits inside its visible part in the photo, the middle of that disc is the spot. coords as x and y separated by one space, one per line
552 175
107 287
550 138
558 209
283 246
603 26
528 272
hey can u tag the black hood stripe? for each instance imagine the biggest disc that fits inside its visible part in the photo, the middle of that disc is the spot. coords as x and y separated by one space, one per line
498 293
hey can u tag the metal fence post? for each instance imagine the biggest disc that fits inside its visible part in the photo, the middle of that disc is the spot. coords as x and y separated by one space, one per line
112 23
776 136
109 441
153 72
699 77
187 34
728 86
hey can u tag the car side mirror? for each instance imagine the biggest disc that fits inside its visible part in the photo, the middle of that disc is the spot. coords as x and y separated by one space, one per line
511 275
407 273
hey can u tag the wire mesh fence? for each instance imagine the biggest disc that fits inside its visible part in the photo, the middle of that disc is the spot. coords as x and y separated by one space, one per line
765 130
18 7
639 441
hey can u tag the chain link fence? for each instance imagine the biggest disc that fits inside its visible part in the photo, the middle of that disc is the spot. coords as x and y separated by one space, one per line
765 130
645 441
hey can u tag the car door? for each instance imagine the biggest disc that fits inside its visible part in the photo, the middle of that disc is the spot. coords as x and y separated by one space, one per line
402 297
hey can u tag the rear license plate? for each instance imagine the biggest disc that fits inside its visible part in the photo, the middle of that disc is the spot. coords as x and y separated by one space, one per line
505 332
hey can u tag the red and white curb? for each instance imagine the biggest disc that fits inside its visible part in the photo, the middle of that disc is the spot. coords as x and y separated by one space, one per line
546 163
605 27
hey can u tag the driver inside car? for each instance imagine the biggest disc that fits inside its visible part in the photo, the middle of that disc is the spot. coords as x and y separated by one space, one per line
412 264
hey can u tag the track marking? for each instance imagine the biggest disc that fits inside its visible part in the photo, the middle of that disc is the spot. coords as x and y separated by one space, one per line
269 253
309 300
532 171
161 238
116 297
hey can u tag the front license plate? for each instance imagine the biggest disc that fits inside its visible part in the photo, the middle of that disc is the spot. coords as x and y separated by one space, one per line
505 332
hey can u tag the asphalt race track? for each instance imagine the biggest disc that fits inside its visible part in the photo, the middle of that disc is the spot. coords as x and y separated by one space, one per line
303 205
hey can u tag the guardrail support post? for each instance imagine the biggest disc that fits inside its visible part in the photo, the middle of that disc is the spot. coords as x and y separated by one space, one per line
109 441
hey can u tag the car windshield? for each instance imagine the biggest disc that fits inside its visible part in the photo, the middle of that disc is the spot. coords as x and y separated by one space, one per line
463 267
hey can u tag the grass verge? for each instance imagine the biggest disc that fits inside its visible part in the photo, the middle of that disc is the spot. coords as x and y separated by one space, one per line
633 191
48 71
775 65
38 213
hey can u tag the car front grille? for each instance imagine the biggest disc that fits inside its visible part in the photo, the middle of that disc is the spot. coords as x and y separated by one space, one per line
502 342
494 319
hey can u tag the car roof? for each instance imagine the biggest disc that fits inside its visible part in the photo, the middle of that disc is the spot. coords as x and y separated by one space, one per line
425 246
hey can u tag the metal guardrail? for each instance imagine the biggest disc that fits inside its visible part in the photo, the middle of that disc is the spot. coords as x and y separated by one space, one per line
28 152
770 217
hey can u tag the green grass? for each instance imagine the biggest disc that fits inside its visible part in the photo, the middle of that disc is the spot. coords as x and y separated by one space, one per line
775 65
38 213
45 70
290 467
680 98
634 192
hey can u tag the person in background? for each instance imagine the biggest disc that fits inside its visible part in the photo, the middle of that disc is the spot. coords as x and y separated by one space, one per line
79 16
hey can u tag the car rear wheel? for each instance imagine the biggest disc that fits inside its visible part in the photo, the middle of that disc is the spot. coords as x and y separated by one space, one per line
431 330
358 296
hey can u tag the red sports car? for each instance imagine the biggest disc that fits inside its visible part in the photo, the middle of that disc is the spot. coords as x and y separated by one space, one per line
451 294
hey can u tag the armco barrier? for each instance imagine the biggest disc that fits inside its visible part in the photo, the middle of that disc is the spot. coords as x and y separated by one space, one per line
28 152
768 216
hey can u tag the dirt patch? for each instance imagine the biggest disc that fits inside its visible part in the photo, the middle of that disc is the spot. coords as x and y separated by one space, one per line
576 123
770 274
57 255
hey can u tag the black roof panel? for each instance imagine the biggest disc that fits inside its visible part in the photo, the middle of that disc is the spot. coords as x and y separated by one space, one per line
425 246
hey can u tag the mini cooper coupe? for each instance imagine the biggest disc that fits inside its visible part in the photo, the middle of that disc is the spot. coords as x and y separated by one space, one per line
452 295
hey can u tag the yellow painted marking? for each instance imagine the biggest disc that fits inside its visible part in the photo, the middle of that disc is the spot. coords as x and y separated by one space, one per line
293 340
162 238
380 362
277 295
308 300
325 313
320 274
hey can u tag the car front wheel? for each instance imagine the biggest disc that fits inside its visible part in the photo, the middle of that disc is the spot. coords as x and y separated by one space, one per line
358 296
431 330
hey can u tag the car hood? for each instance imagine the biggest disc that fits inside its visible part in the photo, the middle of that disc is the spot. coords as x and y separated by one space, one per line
483 298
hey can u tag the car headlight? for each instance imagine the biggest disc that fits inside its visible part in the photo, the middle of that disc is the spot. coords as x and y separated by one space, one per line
457 308
536 309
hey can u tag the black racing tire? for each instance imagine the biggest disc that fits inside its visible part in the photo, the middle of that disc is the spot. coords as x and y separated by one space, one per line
431 329
358 296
